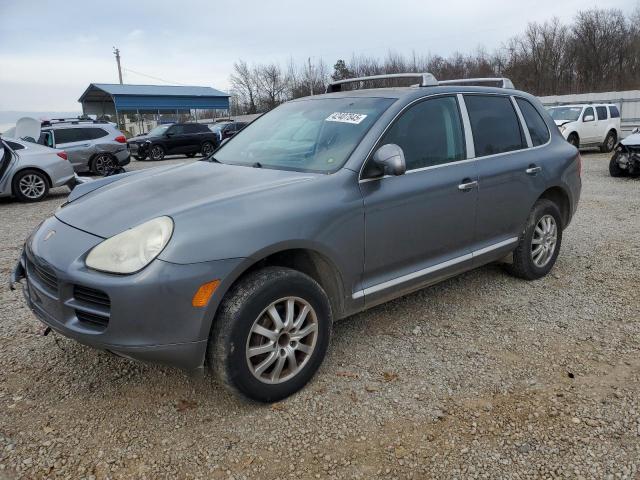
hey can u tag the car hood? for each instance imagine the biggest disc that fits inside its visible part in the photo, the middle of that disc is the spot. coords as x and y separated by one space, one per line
631 140
174 191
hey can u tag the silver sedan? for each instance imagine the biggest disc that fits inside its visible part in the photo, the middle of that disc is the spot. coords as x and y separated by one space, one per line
29 170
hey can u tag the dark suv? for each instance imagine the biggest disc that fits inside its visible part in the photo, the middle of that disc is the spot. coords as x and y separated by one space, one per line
173 138
321 208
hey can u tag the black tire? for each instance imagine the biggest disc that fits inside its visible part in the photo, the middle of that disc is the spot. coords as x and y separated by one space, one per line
156 153
614 168
190 155
30 185
523 265
140 158
207 149
609 142
103 164
574 140
244 305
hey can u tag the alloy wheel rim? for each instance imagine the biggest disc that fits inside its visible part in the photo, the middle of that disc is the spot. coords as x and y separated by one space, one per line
281 340
32 186
206 149
543 243
103 164
156 153
610 142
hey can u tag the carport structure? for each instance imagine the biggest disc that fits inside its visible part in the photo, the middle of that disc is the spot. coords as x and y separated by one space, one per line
150 102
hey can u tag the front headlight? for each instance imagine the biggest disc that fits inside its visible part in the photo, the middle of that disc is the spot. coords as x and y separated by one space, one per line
131 250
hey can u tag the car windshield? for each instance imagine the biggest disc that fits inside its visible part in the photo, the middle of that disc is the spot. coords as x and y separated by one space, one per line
312 135
565 113
159 130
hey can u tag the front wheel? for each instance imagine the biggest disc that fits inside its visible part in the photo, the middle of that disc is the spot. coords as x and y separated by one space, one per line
539 243
271 334
574 140
614 167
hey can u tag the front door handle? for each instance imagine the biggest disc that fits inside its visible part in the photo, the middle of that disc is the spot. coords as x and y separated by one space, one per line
533 169
465 186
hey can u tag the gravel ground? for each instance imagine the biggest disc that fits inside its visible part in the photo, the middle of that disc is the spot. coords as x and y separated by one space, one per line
482 376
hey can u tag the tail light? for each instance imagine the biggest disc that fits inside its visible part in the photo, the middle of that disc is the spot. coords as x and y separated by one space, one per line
121 139
63 155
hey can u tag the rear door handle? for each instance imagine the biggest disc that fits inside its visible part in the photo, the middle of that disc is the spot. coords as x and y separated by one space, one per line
466 186
532 170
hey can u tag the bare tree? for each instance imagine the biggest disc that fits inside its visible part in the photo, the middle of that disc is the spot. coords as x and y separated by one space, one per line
244 87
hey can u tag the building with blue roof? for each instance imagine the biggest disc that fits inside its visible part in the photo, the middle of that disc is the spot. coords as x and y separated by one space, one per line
158 101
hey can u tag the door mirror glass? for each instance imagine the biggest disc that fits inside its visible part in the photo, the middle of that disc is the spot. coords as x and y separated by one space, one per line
390 158
588 118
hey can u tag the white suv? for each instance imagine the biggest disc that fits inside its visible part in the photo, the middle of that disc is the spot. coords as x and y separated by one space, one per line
588 125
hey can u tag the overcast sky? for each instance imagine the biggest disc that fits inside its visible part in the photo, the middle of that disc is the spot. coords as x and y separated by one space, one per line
51 50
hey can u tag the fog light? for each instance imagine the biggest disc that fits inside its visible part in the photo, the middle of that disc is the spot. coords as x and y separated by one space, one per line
203 295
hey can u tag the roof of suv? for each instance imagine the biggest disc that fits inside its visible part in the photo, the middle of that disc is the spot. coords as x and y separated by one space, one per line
415 92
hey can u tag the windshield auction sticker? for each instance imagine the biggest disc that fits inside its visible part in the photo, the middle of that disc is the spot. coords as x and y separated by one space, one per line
345 117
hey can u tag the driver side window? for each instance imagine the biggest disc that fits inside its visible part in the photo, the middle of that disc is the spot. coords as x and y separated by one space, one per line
588 112
429 133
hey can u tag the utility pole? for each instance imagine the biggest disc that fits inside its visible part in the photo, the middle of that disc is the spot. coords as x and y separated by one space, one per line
310 77
117 54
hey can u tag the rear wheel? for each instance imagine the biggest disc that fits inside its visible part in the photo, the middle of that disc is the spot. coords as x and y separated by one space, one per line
574 140
609 142
30 186
271 334
207 149
614 167
539 243
157 153
103 163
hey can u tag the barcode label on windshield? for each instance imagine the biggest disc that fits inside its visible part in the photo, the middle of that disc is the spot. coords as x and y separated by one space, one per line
345 117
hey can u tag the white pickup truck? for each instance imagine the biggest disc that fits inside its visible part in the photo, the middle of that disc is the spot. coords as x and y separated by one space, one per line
588 125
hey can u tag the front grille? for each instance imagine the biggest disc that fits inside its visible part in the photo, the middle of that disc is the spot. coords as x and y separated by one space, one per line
92 306
44 275
91 296
92 319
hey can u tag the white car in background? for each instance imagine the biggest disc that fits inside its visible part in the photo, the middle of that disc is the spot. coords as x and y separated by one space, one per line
588 125
28 170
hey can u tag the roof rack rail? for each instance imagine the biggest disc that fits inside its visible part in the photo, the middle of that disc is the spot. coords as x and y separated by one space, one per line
501 82
72 120
426 80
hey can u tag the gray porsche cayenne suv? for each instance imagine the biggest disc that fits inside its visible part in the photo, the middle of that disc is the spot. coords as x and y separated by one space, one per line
322 208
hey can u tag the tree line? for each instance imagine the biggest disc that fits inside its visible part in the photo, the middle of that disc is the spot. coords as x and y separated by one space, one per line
598 51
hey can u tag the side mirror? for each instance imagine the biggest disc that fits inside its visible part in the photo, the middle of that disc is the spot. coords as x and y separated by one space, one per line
390 158
168 134
588 118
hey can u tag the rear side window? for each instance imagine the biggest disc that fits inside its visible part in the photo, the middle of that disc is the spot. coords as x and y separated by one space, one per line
14 145
602 113
429 133
68 135
613 110
191 128
537 127
94 133
494 123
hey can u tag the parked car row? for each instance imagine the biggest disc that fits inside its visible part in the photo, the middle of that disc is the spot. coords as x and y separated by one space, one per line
588 125
174 138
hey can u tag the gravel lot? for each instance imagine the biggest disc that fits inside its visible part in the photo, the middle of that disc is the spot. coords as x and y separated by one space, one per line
483 376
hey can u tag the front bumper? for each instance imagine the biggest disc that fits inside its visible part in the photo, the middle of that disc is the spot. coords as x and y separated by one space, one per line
146 316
